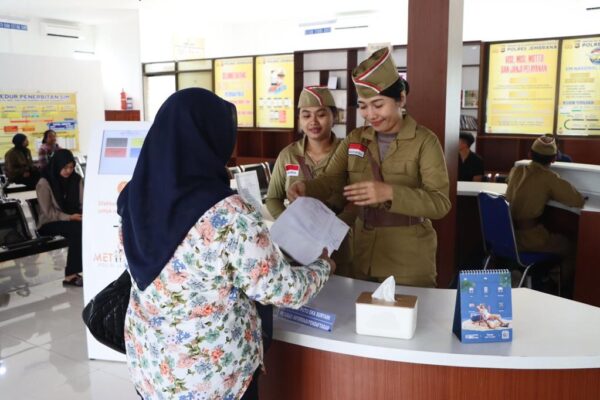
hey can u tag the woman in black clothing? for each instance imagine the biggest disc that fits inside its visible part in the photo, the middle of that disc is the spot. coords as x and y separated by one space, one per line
60 196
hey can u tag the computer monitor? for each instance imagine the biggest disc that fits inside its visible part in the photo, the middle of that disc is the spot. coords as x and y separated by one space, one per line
120 151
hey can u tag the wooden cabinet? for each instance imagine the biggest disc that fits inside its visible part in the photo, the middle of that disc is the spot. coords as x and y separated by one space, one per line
122 115
260 144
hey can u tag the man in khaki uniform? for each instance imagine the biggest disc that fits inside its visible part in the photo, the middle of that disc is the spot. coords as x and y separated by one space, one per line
393 234
530 187
301 161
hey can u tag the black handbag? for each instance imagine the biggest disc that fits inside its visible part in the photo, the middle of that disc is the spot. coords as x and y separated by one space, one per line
104 315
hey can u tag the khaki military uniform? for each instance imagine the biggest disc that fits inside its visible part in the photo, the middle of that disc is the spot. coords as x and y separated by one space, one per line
415 167
530 187
294 165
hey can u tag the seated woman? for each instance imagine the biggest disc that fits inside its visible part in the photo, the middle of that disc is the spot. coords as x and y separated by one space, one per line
18 164
60 197
198 256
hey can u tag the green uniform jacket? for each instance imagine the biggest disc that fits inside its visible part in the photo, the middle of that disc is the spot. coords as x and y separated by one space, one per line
16 163
415 167
282 178
530 187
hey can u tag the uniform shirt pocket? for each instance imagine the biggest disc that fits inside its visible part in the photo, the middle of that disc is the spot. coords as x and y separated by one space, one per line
356 168
404 172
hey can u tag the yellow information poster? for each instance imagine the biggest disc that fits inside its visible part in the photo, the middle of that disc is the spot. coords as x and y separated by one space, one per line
522 87
234 82
579 98
34 113
275 91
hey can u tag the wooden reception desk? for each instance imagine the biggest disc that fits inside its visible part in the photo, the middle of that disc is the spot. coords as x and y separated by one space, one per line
555 353
581 225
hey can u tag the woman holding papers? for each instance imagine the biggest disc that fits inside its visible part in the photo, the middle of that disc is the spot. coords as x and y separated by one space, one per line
307 158
394 170
198 256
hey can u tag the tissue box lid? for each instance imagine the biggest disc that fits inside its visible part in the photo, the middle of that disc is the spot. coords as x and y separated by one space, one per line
402 300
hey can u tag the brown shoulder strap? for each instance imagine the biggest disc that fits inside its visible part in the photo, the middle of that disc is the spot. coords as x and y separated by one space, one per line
375 168
308 175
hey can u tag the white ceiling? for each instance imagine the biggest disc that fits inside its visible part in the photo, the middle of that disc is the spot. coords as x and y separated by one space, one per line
102 11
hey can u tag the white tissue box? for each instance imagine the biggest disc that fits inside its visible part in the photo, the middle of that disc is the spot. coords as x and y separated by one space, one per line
381 318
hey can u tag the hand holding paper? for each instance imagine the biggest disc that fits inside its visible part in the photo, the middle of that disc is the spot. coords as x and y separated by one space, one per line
306 227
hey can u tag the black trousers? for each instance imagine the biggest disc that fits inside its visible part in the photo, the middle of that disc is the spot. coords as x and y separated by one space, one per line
30 181
71 230
252 392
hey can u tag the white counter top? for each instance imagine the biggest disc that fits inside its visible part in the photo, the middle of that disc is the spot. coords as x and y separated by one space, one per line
549 332
473 188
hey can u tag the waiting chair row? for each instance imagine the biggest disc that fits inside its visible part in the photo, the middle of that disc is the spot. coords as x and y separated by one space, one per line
16 238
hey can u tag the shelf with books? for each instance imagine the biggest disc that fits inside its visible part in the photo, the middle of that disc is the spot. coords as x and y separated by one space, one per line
333 69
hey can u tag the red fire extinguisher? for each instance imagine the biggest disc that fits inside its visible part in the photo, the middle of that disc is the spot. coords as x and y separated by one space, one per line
123 100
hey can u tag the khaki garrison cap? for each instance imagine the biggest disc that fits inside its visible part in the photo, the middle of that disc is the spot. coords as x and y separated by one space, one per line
375 74
315 96
544 145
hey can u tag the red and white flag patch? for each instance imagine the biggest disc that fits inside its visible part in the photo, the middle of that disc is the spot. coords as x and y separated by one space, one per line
357 149
292 169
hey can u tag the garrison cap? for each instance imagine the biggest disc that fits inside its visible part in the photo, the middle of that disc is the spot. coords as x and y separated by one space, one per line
375 74
545 145
315 96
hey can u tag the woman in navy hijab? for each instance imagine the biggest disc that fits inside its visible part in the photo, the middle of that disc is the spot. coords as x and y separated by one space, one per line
199 257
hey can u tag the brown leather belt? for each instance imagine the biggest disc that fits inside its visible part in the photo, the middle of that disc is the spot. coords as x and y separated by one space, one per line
377 218
523 224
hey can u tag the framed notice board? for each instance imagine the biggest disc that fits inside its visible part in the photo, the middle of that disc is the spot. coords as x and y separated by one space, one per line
275 91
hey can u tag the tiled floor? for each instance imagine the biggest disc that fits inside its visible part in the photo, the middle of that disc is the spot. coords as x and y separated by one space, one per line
43 353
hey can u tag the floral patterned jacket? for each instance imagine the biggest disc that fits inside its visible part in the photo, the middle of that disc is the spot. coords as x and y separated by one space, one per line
194 333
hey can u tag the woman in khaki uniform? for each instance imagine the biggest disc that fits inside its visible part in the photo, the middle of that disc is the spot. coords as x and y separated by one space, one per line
307 158
395 172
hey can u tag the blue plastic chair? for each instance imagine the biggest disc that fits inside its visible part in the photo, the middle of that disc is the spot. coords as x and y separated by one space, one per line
499 235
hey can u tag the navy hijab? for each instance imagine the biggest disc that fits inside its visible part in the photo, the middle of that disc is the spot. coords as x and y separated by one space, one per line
180 174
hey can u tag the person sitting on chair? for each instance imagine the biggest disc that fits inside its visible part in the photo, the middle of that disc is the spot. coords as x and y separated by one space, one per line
530 187
18 164
60 196
47 149
470 165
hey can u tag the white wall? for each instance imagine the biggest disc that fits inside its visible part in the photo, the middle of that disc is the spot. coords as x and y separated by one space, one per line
118 49
264 37
28 73
487 20
115 47
34 42
484 20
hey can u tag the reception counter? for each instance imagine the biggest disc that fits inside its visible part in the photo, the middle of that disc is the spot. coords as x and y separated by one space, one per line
555 352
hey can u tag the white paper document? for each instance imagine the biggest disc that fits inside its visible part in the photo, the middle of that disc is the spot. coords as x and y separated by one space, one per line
306 227
249 188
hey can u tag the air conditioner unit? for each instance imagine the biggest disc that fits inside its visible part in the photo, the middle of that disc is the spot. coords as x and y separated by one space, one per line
61 30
